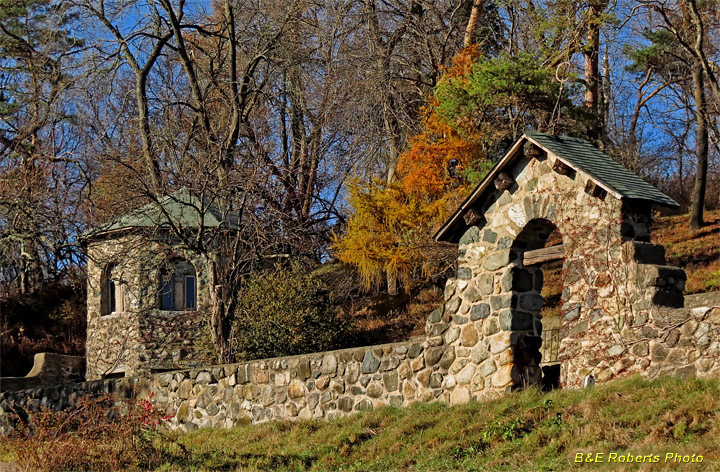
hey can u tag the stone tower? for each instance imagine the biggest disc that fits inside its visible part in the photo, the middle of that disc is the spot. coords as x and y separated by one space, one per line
148 295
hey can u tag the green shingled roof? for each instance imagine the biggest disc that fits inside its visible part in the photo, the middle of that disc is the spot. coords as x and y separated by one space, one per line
586 157
182 208
578 154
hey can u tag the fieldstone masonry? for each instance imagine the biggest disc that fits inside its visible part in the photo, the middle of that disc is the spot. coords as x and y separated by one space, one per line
621 314
322 385
141 338
333 384
615 282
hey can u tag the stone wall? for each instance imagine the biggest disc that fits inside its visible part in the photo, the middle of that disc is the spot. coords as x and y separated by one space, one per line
48 369
142 339
338 383
321 385
684 342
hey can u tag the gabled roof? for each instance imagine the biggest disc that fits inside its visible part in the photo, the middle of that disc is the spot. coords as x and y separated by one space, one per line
183 208
582 155
578 155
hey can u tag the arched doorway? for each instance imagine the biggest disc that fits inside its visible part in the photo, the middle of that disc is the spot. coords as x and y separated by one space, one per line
537 289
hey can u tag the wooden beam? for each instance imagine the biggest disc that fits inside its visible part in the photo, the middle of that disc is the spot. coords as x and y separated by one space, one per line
531 150
503 181
561 168
445 233
591 188
546 254
472 217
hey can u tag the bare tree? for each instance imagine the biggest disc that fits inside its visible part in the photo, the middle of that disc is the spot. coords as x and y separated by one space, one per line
41 178
684 24
256 121
475 12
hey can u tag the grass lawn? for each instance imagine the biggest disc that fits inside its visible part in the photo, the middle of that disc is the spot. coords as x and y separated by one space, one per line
529 431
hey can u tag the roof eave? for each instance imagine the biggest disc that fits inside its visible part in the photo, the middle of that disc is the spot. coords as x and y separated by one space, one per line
577 169
662 199
448 232
442 234
674 205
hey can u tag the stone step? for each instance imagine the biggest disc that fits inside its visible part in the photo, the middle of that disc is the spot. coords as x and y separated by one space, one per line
703 299
645 253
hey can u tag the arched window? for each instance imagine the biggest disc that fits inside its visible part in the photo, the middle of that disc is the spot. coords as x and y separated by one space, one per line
112 292
178 286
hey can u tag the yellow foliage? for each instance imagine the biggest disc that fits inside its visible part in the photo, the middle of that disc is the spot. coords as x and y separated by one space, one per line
390 231
386 230
424 168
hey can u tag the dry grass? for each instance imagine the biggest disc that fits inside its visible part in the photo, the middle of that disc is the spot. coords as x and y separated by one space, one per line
703 278
528 431
99 434
376 318
683 246
380 319
698 253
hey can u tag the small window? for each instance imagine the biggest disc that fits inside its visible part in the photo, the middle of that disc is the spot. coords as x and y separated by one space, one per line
166 296
112 293
189 292
178 287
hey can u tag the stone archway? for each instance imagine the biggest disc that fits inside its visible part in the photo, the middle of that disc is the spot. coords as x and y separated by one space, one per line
539 243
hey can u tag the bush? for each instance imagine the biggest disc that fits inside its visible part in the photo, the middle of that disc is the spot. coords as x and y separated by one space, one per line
98 434
285 312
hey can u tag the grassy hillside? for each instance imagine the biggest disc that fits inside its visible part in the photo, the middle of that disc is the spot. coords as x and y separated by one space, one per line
525 431
698 253
528 431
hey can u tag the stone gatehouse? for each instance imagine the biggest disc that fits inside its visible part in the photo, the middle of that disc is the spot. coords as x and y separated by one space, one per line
148 295
616 285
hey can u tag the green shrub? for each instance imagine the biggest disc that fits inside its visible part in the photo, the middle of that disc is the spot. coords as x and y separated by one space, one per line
285 312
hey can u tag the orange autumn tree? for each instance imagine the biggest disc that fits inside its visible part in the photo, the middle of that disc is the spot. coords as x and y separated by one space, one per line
480 106
390 231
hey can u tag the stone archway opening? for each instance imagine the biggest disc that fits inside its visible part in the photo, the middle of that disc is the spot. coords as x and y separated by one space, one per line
537 290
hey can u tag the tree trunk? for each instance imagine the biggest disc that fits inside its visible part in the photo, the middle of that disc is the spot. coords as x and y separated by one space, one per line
392 283
383 50
701 149
472 23
153 166
591 53
219 319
